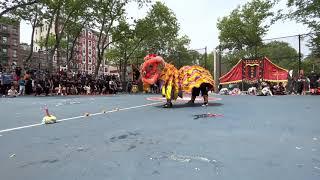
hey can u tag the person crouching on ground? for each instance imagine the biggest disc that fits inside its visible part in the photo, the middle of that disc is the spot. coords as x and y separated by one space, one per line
265 91
12 92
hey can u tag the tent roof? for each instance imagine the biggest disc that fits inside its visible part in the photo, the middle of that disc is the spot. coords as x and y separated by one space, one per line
271 72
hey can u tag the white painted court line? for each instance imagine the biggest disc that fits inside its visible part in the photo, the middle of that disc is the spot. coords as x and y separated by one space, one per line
79 117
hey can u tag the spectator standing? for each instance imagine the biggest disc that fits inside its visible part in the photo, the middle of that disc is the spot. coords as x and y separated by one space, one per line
22 87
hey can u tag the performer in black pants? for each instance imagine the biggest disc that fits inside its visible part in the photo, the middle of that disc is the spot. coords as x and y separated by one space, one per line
204 89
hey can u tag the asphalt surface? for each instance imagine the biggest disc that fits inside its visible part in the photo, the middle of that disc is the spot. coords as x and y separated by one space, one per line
257 138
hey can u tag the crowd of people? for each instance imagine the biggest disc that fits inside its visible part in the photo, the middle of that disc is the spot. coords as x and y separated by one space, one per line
300 85
62 83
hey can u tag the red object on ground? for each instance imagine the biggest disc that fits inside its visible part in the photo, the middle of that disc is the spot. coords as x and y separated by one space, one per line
46 110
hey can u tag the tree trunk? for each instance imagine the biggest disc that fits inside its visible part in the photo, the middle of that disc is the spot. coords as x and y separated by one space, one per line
124 68
74 44
49 61
100 56
120 69
34 23
96 70
124 81
17 6
57 43
72 51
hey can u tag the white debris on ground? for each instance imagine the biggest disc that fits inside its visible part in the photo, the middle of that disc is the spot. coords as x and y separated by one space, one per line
68 102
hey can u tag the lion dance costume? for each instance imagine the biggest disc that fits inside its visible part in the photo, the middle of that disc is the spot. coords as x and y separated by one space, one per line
174 82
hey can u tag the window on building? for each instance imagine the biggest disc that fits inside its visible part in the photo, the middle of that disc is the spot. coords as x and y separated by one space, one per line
36 32
89 43
90 51
4 51
15 30
15 42
90 60
4 40
14 53
4 27
83 59
90 69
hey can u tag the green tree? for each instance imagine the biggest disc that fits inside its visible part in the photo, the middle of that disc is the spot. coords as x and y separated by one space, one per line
9 6
33 15
180 55
230 58
156 33
245 26
62 13
130 40
308 13
242 31
80 19
50 42
163 30
281 53
108 14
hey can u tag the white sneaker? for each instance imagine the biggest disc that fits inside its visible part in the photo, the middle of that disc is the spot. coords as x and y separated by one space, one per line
204 104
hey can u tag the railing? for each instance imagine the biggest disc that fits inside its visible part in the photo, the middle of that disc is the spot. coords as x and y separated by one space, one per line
4 44
4 32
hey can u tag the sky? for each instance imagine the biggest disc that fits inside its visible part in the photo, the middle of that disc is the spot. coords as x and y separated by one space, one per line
198 19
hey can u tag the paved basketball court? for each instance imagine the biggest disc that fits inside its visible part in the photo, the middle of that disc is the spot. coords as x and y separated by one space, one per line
129 137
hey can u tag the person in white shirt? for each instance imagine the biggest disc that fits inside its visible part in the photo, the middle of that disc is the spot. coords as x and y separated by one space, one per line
87 88
266 91
12 92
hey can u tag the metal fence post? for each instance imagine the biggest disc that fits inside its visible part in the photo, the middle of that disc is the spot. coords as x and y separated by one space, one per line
205 57
299 64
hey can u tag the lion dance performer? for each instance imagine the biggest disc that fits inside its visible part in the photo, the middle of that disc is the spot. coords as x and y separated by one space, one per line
173 82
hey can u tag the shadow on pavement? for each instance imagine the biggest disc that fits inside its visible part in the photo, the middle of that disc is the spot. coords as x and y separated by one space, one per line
179 105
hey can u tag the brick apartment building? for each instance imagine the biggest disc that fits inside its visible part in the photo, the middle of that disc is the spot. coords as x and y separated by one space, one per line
9 43
85 53
38 59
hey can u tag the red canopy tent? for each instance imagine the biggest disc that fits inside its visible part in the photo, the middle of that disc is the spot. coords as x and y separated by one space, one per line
252 70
